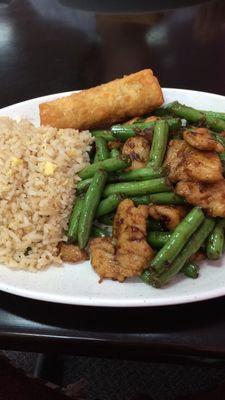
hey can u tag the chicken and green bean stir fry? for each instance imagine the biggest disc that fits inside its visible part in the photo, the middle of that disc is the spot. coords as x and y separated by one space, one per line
152 202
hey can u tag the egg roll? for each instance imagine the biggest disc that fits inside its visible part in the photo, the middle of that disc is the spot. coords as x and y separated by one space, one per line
104 105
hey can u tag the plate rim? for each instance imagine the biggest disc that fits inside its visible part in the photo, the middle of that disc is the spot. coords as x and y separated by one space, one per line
67 93
109 303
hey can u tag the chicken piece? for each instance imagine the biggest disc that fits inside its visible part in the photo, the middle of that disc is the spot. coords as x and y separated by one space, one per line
128 254
203 166
152 118
137 148
183 163
174 160
128 215
201 139
103 259
130 230
72 253
209 196
171 216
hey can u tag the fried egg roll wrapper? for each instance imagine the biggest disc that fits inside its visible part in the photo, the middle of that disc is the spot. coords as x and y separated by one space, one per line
104 105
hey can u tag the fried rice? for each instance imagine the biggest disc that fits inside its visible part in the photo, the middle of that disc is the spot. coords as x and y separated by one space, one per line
38 175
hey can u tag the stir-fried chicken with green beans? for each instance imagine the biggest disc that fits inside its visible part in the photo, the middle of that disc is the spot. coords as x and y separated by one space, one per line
159 181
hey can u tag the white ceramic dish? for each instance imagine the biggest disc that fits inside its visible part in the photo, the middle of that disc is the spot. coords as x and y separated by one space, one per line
78 284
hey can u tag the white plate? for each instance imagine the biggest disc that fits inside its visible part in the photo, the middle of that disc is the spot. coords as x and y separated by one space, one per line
78 284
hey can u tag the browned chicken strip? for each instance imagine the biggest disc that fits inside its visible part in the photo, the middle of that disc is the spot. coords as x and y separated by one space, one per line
152 118
171 216
130 230
174 160
128 215
103 259
201 139
137 148
184 162
211 197
128 254
203 166
72 253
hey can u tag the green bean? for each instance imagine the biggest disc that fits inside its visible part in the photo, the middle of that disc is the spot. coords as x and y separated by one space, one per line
214 247
107 219
109 165
140 199
174 124
191 269
124 132
193 115
107 135
96 231
83 185
158 239
159 144
150 277
177 240
159 198
102 150
108 205
217 124
114 153
169 105
166 198
74 218
182 111
161 112
91 202
192 246
95 158
214 114
137 174
137 188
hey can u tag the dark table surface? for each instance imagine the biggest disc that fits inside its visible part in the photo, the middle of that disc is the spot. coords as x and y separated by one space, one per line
50 46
